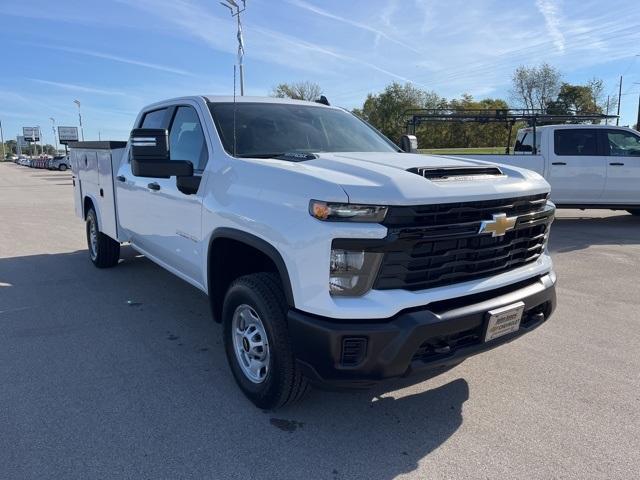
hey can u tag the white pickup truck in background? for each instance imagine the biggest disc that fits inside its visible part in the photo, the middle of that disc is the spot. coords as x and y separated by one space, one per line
330 256
587 166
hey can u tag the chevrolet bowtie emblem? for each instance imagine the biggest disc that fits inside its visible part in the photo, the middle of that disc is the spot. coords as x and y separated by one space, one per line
500 225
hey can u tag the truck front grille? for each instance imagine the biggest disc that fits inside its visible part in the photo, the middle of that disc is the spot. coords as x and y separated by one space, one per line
435 245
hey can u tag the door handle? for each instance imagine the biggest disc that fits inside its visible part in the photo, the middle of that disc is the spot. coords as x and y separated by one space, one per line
617 164
558 163
153 186
121 178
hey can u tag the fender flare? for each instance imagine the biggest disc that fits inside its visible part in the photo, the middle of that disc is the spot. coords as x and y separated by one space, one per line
259 244
95 208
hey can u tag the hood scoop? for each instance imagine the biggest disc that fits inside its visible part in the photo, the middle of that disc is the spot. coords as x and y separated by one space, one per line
457 174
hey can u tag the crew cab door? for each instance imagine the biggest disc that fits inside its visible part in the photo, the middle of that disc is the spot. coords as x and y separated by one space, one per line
164 222
623 167
577 166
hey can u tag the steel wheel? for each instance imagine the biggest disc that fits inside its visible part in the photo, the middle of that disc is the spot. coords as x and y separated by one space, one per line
250 343
93 238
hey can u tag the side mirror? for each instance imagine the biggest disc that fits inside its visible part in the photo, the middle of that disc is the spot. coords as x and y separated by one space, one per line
409 143
150 155
522 148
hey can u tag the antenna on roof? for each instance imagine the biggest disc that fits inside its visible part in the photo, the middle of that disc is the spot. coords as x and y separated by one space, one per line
235 142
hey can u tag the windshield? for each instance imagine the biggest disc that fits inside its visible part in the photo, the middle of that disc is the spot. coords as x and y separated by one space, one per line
273 129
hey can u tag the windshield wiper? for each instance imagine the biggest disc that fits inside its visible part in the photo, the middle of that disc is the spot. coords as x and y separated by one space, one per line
290 156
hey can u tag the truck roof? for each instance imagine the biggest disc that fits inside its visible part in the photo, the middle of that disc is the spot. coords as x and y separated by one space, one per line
238 99
574 125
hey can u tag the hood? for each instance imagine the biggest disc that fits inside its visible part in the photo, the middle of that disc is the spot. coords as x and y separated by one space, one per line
384 179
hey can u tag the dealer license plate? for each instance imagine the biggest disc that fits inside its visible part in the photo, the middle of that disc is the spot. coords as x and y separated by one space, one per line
504 320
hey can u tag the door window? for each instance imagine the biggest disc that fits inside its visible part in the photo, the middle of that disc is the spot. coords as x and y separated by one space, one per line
623 144
186 138
576 142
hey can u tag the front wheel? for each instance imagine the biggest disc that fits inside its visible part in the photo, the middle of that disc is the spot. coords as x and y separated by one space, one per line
257 343
103 250
62 167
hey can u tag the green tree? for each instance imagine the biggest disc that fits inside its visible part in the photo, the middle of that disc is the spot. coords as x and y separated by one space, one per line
574 99
386 110
309 91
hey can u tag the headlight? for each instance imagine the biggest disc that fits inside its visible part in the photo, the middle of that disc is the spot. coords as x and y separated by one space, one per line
352 273
346 212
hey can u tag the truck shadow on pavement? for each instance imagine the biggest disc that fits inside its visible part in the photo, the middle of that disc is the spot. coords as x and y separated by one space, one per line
577 233
126 372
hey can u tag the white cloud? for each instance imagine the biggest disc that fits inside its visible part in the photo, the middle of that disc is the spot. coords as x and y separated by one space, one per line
80 88
379 33
116 58
550 10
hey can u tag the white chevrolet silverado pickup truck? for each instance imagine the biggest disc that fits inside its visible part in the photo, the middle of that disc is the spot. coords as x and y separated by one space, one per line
587 166
330 256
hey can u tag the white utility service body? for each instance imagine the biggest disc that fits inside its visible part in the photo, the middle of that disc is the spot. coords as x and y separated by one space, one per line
275 206
595 166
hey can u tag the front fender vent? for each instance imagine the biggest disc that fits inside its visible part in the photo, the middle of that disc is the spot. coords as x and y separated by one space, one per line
457 174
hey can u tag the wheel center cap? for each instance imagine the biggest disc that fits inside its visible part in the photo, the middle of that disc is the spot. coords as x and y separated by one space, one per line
245 344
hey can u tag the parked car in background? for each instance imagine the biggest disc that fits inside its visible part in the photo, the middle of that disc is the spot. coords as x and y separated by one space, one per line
588 166
59 162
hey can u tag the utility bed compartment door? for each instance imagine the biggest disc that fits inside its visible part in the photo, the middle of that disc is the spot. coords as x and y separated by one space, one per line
106 193
94 170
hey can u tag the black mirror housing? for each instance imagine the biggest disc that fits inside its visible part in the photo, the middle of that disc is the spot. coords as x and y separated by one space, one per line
161 168
150 155
409 143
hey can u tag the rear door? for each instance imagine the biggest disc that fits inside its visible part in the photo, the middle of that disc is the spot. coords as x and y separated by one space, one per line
623 167
577 170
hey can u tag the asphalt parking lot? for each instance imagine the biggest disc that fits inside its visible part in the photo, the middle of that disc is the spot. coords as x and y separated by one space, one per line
121 373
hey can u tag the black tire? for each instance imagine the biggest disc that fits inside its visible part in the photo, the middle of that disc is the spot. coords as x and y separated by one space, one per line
284 383
634 211
62 167
106 252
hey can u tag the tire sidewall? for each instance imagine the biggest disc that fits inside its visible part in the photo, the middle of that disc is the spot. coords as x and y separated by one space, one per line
260 393
91 218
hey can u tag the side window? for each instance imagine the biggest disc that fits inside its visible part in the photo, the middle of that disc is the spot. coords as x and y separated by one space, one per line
623 144
575 142
524 142
154 119
186 138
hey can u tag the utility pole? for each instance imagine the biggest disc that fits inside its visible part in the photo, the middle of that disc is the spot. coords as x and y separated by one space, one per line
77 102
606 121
4 153
236 10
53 128
619 99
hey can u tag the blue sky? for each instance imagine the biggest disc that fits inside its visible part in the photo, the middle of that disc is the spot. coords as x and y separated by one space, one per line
116 56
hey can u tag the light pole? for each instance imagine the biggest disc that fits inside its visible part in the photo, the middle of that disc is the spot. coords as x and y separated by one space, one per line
53 129
236 10
41 138
77 102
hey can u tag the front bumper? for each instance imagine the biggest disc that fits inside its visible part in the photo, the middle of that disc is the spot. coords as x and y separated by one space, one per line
363 352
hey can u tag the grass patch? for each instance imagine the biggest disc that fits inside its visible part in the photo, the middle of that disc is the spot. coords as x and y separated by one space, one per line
462 151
